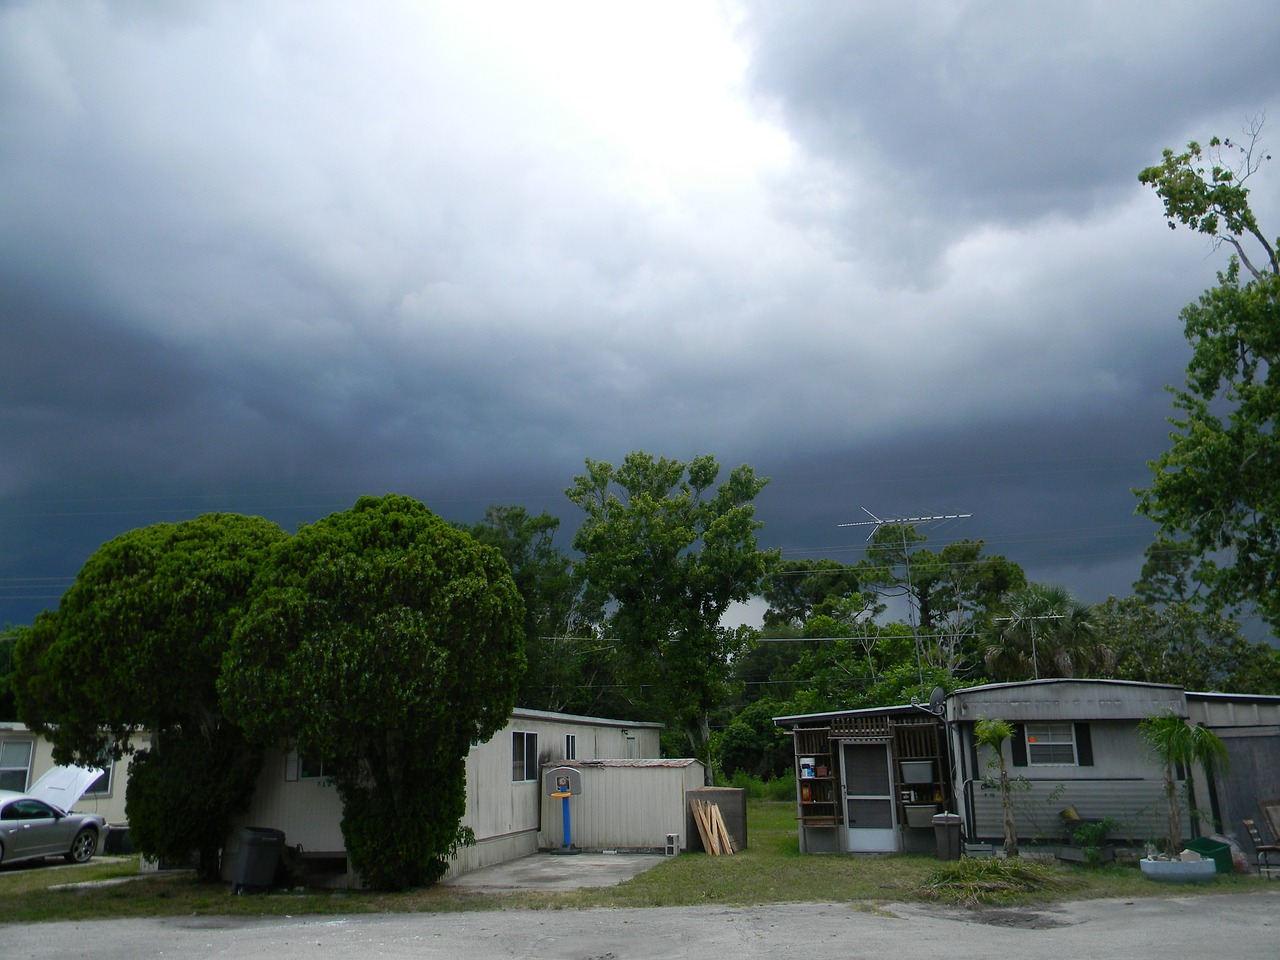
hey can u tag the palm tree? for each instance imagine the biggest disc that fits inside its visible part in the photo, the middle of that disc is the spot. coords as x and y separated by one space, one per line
1174 742
993 733
1046 632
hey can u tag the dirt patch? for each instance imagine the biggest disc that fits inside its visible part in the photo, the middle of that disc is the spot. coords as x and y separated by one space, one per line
1017 919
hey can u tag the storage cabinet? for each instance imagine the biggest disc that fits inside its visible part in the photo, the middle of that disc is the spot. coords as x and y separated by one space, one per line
817 778
922 789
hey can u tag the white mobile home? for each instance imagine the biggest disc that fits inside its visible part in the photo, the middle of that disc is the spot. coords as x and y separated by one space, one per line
872 779
504 791
26 756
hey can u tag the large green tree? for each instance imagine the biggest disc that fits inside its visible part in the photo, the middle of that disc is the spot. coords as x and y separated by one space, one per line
1218 485
952 591
1181 644
1045 632
665 551
794 588
387 642
8 702
565 669
135 647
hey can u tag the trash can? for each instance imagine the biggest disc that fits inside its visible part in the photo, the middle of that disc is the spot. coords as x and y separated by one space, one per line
946 832
1219 853
258 857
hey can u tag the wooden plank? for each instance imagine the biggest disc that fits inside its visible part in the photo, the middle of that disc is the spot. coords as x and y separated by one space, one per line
726 841
699 819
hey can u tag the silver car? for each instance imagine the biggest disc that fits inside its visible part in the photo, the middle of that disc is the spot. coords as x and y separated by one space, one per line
31 828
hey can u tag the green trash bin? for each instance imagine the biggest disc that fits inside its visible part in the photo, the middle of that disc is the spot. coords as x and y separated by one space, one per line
1219 853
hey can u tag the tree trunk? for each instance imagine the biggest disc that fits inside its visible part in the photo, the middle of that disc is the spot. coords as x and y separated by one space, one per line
1006 803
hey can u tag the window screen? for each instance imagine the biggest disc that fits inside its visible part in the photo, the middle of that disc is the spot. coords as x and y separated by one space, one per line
524 756
1051 744
15 764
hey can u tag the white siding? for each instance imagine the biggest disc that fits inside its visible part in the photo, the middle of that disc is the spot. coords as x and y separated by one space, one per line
625 807
110 805
504 815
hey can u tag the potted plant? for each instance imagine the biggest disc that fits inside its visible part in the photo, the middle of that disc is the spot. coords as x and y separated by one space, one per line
1176 743
1089 842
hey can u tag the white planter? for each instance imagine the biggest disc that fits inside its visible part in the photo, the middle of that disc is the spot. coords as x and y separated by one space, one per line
917 771
1178 871
921 814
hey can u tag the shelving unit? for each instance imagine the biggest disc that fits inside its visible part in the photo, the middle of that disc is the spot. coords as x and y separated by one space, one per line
922 789
817 777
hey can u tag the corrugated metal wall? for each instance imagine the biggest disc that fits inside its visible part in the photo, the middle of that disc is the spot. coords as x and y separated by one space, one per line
624 807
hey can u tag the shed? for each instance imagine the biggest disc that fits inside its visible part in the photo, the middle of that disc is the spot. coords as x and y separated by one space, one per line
628 805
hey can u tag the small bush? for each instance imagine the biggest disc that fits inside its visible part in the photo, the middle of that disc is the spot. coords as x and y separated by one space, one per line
971 881
779 788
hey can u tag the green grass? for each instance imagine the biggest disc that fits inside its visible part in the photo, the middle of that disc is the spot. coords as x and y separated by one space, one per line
770 870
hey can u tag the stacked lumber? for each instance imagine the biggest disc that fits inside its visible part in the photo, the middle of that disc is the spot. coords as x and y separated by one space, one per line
711 828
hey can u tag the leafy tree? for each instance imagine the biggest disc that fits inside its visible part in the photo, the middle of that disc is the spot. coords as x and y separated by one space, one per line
8 701
387 642
754 744
135 646
1168 573
794 588
952 591
766 667
1218 485
565 669
1046 633
665 552
1178 744
1183 645
993 733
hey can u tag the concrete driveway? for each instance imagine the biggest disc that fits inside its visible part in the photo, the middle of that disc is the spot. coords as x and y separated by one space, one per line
553 872
1221 927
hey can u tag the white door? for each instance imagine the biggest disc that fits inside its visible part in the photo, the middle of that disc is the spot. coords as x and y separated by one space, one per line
868 799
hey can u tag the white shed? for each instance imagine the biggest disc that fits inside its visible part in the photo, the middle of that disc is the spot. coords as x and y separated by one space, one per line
629 805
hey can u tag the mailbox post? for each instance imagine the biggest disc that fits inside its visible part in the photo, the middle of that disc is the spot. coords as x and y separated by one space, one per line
564 782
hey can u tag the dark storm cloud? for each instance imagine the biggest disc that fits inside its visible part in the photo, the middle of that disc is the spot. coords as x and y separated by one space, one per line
266 258
1007 110
936 116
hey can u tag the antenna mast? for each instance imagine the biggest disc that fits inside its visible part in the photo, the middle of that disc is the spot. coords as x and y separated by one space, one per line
875 523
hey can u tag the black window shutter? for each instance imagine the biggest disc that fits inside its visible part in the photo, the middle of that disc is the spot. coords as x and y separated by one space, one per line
1084 745
1019 744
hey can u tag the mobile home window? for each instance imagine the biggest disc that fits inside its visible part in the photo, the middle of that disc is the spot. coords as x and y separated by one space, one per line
570 746
1051 744
102 786
15 764
524 756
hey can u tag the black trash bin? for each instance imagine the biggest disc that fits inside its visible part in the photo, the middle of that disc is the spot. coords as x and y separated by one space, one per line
258 858
946 832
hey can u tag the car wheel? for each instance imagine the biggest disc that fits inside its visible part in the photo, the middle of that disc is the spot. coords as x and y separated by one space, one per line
83 847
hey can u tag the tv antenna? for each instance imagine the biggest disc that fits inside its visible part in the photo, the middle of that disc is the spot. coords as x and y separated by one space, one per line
875 523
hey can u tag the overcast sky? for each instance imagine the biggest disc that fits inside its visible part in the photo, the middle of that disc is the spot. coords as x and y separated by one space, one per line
265 257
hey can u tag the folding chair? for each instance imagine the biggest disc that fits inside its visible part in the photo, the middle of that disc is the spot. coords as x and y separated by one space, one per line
1263 852
1270 810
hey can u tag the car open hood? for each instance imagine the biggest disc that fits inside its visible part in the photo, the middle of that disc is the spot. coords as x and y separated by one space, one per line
64 786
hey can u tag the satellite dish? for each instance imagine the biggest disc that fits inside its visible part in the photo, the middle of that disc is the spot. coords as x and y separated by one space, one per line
937 701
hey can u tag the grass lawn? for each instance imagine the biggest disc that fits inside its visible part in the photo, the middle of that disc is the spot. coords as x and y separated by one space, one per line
771 870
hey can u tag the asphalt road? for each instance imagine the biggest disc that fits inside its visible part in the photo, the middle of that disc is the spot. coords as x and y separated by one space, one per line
1218 927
